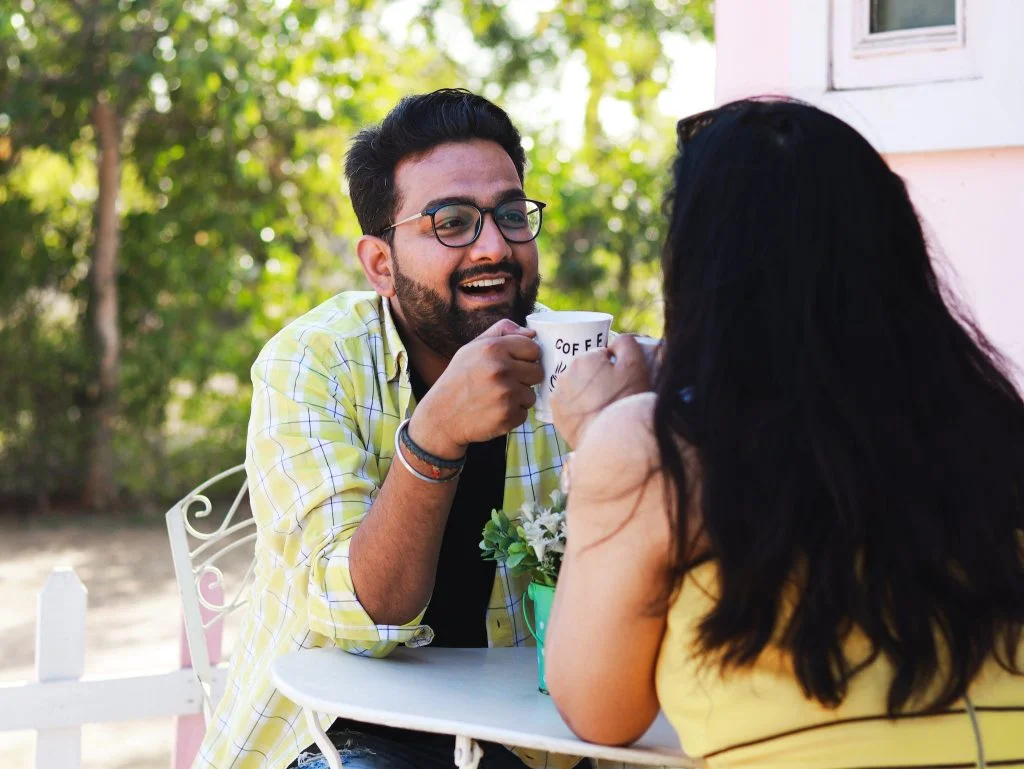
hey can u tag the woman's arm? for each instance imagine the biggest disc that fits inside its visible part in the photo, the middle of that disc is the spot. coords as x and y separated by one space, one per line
606 628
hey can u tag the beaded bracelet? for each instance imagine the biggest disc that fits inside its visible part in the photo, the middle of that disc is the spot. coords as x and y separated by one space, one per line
402 438
425 456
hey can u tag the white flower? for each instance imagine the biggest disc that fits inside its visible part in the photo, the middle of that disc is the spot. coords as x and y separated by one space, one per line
536 537
538 549
543 531
528 511
557 500
549 522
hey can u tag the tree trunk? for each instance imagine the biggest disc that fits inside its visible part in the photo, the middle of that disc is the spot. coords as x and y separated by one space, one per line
100 481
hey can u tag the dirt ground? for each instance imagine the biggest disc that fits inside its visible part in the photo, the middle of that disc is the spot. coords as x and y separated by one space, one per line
133 624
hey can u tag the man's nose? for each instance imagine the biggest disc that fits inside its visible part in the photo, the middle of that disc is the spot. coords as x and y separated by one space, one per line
491 245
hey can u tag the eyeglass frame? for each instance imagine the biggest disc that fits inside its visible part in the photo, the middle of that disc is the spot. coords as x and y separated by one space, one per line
432 210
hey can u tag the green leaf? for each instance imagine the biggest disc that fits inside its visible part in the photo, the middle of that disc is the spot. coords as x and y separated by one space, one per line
514 560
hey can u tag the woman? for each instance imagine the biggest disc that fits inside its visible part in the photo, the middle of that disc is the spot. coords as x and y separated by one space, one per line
805 544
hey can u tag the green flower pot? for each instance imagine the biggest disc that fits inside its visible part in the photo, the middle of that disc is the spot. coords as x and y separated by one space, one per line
541 596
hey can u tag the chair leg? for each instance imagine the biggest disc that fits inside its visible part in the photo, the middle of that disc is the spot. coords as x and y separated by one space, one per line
322 741
467 753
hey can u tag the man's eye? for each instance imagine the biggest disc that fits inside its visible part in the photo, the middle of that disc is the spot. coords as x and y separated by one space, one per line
451 224
513 218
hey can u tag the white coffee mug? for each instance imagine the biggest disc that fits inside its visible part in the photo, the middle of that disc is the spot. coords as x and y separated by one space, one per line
562 336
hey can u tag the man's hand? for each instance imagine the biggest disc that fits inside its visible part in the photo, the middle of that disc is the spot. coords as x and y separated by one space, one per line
486 391
597 379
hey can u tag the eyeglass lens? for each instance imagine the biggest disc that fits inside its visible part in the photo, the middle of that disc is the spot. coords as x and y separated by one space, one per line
459 224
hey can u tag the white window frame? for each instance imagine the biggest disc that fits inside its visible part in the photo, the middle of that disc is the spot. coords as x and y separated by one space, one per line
984 109
862 59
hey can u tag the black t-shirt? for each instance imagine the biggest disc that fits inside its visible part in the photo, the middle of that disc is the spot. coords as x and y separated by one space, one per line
464 581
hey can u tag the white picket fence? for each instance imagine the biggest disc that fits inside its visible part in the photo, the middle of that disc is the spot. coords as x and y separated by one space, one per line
62 699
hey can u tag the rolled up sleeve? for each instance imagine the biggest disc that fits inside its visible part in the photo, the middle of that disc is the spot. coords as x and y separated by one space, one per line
312 481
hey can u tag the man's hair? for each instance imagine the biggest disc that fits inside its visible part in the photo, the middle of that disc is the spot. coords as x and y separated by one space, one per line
416 125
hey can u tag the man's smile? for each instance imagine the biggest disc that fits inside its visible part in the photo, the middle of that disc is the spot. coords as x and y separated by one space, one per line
487 290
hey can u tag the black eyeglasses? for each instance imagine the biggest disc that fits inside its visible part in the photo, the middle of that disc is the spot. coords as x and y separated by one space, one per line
458 225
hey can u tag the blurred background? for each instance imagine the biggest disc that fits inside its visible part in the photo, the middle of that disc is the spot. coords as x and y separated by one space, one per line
171 194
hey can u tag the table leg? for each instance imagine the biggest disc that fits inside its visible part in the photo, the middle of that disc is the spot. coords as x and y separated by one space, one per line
467 753
322 740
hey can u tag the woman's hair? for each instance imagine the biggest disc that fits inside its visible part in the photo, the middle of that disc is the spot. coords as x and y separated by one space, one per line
861 450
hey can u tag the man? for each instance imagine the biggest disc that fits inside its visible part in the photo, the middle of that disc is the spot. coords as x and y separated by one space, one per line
359 548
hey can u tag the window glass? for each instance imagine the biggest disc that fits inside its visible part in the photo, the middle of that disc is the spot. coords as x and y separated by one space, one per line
897 15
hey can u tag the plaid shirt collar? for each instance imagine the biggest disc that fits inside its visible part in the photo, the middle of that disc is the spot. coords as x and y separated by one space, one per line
396 359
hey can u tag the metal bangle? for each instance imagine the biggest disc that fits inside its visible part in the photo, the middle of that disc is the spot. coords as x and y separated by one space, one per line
412 470
425 456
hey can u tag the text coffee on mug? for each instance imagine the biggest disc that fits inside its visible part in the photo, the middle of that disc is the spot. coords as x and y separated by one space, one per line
562 335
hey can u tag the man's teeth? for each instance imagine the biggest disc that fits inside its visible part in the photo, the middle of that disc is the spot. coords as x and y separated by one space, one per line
486 283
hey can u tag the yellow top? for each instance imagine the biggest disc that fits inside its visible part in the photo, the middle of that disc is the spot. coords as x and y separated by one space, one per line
758 717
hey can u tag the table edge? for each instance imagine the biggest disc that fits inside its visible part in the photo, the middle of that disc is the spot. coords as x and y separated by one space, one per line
501 736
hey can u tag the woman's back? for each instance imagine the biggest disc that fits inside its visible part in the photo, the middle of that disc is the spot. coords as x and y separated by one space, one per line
759 716
822 411
851 425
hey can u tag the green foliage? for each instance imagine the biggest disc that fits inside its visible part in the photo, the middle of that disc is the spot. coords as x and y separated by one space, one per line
233 214
532 543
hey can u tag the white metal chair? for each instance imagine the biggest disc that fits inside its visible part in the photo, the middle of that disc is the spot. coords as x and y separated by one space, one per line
196 554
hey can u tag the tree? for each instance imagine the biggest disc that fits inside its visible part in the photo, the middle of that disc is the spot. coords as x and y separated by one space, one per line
170 195
214 106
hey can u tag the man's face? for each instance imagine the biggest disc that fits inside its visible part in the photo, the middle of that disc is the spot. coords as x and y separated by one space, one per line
433 287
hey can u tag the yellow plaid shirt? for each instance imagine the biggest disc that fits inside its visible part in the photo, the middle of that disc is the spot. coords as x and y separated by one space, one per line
329 392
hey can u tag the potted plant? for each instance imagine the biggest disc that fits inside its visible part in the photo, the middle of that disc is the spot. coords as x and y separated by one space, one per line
531 543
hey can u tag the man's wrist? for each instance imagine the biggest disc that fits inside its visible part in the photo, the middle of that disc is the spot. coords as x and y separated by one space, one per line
438 470
428 435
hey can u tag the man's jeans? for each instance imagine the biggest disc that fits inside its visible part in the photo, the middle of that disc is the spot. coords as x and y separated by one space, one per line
380 748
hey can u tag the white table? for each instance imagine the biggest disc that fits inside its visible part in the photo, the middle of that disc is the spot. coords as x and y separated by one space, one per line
473 694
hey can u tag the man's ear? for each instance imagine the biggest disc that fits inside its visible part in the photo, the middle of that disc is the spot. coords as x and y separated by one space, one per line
375 256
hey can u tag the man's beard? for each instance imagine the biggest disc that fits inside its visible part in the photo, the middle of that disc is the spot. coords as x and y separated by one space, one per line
445 327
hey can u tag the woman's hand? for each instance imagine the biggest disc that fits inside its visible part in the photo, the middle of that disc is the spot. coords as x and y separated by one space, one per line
595 380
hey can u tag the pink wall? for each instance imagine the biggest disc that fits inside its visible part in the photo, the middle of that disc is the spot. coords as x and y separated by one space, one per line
972 202
751 48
